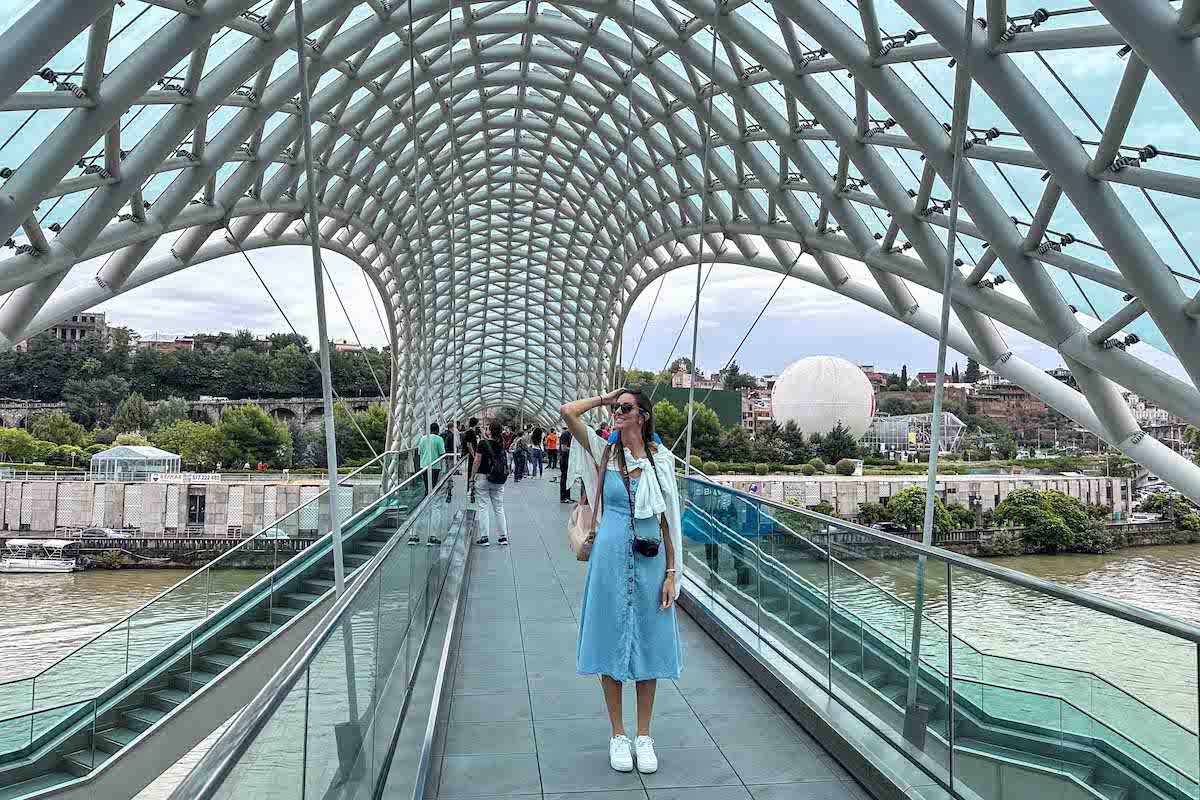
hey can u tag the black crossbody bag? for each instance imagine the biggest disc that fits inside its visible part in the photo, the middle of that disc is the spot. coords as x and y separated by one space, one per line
643 547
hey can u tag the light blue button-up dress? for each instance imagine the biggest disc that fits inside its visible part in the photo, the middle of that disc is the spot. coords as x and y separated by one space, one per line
623 632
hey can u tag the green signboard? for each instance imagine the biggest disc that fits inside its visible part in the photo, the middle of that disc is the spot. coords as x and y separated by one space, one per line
726 404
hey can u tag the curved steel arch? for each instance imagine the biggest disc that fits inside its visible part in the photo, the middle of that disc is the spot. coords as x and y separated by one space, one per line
559 152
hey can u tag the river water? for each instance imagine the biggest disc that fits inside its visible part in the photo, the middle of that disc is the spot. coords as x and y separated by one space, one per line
46 616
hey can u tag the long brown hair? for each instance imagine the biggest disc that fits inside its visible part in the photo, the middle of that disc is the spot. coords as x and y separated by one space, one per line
643 404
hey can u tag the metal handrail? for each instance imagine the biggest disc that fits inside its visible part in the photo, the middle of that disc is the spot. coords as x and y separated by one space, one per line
208 775
1088 714
895 598
192 575
1113 608
172 646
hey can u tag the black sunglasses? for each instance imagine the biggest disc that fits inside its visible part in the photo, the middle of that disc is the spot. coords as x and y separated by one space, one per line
625 408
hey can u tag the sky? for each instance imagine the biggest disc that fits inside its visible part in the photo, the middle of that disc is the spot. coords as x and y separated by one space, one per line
224 295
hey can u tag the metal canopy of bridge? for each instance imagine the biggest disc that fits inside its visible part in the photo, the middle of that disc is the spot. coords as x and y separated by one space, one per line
512 189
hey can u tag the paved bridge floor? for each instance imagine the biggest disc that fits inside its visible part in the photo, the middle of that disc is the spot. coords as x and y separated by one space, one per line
521 723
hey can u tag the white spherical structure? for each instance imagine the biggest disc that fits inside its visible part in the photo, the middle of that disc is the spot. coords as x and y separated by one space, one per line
819 392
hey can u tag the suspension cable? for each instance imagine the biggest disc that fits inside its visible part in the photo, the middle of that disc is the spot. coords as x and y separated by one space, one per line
346 314
750 330
682 328
311 358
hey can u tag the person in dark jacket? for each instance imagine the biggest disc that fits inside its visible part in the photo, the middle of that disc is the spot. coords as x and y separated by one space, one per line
564 454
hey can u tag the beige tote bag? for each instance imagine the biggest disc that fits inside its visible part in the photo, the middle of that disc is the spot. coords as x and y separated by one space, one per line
585 518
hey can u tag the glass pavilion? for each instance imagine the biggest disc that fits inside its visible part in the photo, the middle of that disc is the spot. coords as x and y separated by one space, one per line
133 463
511 176
910 433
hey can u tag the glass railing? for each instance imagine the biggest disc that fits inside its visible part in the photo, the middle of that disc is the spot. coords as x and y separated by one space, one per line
184 656
314 730
837 600
134 640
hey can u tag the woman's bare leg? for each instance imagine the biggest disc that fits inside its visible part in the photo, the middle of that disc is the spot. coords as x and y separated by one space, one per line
645 705
612 699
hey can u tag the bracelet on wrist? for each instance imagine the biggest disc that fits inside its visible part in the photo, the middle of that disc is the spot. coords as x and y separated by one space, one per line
670 572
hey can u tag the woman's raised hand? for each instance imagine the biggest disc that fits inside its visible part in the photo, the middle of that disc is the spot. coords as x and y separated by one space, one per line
611 397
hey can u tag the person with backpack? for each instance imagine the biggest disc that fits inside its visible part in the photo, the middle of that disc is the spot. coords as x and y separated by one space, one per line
491 464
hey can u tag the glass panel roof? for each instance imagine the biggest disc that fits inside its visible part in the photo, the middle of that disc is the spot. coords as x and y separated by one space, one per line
541 218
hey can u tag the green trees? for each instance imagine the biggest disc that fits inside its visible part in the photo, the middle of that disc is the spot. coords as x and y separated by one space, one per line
133 414
839 443
93 401
232 365
908 510
638 378
871 513
252 436
733 378
289 368
169 412
961 517
734 443
57 427
793 443
16 445
199 445
346 427
668 421
972 373
1052 520
706 429
131 440
845 467
1006 447
1163 503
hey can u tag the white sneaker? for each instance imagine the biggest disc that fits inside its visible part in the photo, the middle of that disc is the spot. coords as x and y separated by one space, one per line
647 761
620 755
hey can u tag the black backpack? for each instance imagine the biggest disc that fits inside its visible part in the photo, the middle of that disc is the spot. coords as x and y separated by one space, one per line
495 465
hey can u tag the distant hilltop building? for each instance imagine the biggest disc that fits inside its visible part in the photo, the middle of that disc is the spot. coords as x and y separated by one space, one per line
682 379
78 328
168 345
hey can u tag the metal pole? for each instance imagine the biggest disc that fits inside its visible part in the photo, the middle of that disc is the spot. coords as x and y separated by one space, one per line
950 669
687 458
335 520
914 717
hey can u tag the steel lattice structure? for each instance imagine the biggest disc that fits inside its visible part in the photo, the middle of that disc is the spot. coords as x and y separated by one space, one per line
559 149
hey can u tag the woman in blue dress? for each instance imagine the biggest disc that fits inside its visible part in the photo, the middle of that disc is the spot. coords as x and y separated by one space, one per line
627 628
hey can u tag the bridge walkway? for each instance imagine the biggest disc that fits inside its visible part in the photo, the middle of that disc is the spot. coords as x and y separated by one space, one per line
522 723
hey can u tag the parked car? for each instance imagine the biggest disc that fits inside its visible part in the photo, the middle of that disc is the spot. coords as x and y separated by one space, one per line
273 533
889 527
100 533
